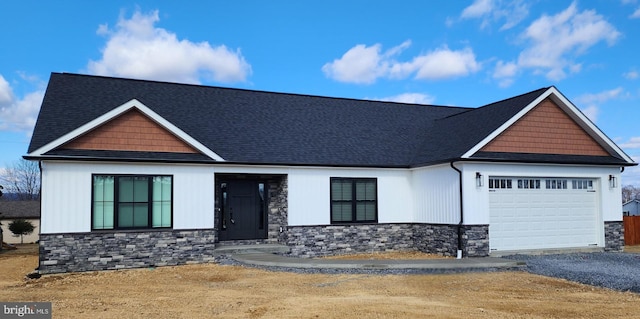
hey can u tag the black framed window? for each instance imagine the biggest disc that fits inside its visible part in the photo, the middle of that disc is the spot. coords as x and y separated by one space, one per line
354 200
132 201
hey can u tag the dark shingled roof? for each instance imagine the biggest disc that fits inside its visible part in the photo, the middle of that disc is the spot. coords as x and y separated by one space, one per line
14 209
255 127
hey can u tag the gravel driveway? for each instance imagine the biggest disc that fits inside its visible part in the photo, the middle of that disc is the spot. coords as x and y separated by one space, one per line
619 271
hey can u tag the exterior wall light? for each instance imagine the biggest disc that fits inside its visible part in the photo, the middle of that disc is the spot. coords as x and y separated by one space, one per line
613 183
479 180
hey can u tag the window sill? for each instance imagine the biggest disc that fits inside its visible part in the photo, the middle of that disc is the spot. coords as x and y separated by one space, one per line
354 223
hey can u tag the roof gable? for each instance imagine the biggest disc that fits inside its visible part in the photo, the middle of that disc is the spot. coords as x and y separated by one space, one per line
545 129
130 131
160 122
573 114
451 136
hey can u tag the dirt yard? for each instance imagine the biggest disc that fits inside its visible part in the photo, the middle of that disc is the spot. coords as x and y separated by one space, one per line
213 291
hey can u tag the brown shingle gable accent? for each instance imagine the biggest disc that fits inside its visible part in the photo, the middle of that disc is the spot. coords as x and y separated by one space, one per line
130 131
545 129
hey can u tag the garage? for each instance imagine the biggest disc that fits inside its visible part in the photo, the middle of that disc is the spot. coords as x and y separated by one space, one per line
542 213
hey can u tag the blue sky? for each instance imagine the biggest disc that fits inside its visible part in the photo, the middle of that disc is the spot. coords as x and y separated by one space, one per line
463 53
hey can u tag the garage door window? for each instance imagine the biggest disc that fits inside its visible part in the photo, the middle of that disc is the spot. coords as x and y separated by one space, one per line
553 183
582 184
529 183
500 183
556 183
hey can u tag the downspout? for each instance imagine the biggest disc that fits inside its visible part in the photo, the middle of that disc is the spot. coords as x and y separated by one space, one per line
459 255
40 228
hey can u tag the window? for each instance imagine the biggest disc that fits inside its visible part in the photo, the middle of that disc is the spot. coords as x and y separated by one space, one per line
354 200
529 183
500 183
129 202
556 183
582 184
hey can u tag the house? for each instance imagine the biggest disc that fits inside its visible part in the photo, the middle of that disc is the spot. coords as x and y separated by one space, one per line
631 208
11 210
140 173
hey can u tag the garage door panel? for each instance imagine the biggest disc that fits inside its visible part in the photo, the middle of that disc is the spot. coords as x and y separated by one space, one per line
542 218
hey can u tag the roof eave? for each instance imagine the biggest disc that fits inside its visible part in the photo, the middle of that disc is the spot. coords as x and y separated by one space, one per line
226 163
520 161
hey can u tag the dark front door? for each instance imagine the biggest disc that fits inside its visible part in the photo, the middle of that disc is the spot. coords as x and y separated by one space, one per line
242 210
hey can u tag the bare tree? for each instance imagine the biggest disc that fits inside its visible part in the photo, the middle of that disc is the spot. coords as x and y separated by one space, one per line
630 192
22 179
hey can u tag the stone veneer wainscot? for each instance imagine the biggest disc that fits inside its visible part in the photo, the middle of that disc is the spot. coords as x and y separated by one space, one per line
312 241
128 249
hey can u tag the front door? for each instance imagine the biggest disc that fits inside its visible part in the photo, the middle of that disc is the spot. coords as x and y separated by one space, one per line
242 210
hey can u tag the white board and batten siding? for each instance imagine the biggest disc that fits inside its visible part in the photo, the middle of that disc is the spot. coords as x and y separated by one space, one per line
436 194
421 195
66 204
310 199
523 219
66 201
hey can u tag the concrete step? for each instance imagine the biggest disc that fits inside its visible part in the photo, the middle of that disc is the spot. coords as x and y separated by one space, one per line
223 249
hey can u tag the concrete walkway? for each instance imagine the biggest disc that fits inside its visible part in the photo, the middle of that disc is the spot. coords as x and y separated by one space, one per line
260 255
273 260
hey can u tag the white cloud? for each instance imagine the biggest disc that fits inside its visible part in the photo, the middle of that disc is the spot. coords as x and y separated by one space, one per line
361 64
591 112
635 14
449 21
18 115
364 65
631 75
412 98
511 12
632 143
592 101
138 49
444 63
6 94
555 41
631 174
477 9
600 97
504 72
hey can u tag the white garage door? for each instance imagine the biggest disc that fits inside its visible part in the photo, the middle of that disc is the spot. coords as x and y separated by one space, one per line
541 213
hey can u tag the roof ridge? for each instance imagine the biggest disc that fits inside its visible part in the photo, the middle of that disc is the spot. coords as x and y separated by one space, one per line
543 89
256 91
